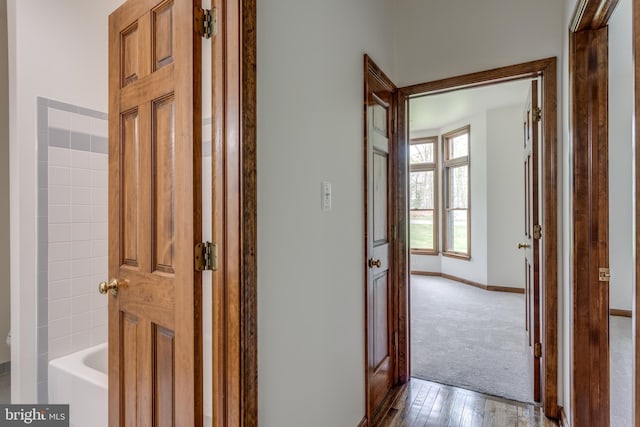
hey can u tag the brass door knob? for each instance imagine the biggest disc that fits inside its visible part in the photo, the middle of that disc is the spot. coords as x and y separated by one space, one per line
523 246
112 286
375 263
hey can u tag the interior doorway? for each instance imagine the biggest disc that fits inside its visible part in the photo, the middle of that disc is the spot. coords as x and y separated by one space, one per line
475 317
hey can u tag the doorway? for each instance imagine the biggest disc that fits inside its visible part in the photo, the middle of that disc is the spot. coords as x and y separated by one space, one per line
475 313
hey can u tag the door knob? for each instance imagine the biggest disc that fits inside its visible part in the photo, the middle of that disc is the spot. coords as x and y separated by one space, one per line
111 285
375 263
523 245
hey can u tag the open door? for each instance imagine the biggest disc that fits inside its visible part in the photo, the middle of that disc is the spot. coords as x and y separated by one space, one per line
154 215
532 118
381 285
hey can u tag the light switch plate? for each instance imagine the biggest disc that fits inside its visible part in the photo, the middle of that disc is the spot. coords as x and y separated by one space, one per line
326 196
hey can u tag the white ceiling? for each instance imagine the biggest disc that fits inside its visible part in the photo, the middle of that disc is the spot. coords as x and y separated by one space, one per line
436 111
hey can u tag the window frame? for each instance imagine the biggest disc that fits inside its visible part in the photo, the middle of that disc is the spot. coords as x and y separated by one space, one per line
427 167
447 164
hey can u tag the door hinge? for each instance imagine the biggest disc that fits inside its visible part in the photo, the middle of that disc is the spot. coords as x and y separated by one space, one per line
604 275
537 114
537 349
206 256
537 232
209 27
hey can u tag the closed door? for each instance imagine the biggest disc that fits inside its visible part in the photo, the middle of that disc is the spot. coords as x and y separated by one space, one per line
380 285
531 242
154 215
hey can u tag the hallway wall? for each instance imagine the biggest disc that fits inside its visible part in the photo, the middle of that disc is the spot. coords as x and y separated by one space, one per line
311 263
4 187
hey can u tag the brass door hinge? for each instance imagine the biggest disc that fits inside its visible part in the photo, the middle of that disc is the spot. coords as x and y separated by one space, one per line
537 349
537 114
537 232
206 256
604 275
207 23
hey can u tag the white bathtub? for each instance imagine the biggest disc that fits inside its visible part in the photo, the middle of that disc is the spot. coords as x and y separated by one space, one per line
80 379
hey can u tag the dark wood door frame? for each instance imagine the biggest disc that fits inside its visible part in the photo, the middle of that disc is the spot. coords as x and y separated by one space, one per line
546 69
235 187
589 80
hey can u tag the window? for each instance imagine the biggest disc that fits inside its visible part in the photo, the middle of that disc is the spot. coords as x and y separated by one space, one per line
457 212
423 229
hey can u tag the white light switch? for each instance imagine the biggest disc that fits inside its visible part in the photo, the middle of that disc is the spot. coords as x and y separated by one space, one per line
326 196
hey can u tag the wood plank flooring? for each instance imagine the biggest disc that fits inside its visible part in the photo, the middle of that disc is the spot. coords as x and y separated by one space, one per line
426 404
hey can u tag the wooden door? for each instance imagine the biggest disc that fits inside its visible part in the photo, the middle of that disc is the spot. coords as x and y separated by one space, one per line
381 290
154 214
532 234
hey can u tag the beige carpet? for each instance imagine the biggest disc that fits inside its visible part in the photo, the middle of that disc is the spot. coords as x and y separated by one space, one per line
470 338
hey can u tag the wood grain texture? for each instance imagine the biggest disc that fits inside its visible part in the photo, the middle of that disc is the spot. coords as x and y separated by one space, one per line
621 313
423 403
592 14
547 70
590 352
155 364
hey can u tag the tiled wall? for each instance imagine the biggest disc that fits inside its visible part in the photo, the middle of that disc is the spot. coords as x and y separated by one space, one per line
73 216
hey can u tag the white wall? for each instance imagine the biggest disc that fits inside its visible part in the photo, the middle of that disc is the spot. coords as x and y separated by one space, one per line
621 156
4 187
68 64
443 38
474 269
311 263
505 197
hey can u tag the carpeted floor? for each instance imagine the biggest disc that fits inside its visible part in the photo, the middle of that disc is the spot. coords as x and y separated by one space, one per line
470 338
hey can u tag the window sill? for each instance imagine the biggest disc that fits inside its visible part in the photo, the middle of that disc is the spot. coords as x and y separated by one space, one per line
424 252
457 255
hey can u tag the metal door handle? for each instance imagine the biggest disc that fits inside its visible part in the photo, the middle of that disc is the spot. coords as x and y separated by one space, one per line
375 263
111 285
523 246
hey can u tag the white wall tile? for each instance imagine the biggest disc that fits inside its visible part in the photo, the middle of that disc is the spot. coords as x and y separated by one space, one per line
99 179
59 119
83 285
59 328
80 231
59 175
80 268
80 123
99 231
59 195
80 249
80 196
59 309
81 322
80 341
99 317
59 271
59 289
80 177
80 159
99 214
98 300
99 265
99 161
99 127
59 251
80 213
59 233
59 214
99 335
59 347
99 248
80 304
99 196
58 157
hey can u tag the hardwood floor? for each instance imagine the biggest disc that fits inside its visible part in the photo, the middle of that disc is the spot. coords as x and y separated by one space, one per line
424 403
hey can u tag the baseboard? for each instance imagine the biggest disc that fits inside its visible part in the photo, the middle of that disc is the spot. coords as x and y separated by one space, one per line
5 368
363 422
562 419
492 288
621 313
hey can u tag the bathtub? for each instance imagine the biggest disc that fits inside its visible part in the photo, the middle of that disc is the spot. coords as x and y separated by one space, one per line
80 379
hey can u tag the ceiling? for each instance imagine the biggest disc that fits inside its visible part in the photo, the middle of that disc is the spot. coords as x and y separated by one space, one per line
436 111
